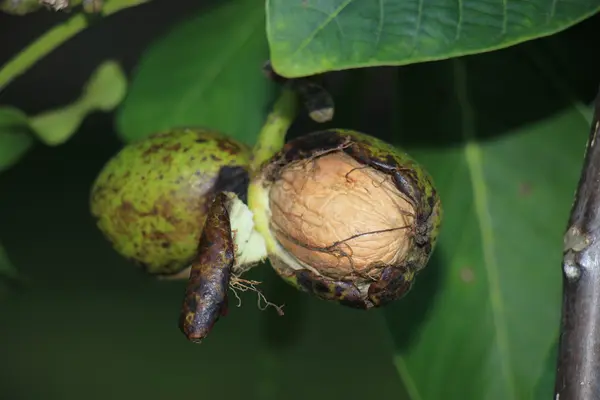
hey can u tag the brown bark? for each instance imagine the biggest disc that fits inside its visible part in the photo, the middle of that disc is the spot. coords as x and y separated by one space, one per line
578 369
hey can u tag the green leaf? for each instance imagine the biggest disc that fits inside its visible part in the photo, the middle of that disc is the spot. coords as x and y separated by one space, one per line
309 37
544 388
205 72
15 136
104 91
505 148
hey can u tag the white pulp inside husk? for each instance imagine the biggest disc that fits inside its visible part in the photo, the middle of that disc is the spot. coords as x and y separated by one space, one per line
250 246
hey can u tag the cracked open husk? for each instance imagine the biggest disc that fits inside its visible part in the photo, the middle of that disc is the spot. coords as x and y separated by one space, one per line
344 216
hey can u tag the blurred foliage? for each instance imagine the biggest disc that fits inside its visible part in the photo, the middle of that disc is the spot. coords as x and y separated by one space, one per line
56 36
104 91
15 137
214 80
343 34
18 132
19 7
502 133
23 7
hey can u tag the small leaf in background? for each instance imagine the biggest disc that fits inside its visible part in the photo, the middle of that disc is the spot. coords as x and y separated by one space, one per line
343 34
206 72
106 88
15 136
103 92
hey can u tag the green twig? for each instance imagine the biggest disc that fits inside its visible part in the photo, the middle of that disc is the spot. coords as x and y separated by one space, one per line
53 39
272 134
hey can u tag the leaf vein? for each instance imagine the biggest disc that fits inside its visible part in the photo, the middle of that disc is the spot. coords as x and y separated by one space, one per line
504 16
460 19
321 26
337 22
552 11
410 386
418 26
380 25
480 200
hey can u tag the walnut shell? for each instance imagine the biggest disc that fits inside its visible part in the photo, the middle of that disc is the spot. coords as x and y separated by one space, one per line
340 218
346 217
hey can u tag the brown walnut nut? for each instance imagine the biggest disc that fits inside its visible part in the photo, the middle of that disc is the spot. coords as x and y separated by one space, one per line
346 217
339 217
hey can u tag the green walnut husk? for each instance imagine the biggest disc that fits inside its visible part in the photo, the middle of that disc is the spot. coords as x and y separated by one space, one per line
151 199
346 217
339 214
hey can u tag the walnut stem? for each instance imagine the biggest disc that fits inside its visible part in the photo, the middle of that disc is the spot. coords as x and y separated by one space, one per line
317 101
578 369
272 134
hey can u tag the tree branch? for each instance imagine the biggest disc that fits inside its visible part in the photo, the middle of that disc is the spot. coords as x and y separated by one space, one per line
578 370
